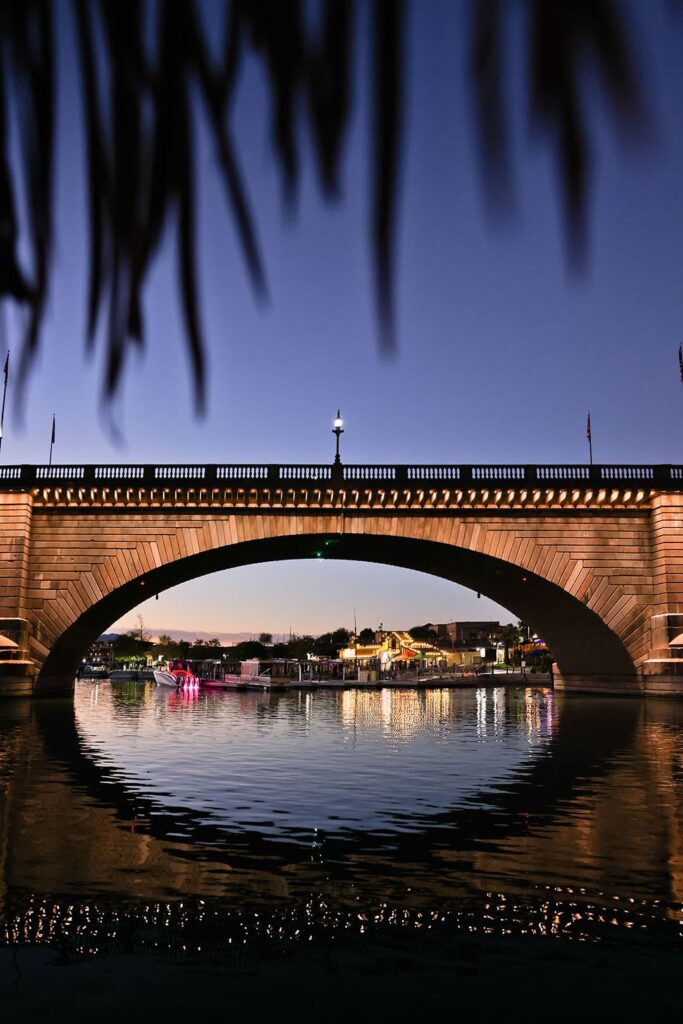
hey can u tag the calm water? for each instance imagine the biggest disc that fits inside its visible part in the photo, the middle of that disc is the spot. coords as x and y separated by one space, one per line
143 817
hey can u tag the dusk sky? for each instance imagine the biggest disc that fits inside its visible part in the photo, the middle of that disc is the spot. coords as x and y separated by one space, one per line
501 349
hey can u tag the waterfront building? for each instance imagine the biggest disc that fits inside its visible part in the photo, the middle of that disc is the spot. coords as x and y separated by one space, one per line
464 633
399 650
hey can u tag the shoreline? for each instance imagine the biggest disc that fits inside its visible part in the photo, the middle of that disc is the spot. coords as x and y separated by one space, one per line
436 682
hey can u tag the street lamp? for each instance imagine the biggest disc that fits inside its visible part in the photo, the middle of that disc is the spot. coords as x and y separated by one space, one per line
338 430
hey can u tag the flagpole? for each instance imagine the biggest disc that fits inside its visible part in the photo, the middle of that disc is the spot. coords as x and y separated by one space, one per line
589 435
4 398
52 439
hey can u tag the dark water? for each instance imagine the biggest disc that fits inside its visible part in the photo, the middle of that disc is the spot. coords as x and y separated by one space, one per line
140 820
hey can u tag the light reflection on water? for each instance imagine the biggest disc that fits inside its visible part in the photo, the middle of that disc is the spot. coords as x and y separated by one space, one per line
509 812
296 763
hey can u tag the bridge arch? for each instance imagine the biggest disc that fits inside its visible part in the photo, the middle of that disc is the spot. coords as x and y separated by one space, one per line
590 555
527 571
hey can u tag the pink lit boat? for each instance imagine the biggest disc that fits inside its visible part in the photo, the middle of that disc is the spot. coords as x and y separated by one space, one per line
177 674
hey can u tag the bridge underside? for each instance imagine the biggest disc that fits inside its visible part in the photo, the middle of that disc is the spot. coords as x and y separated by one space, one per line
583 646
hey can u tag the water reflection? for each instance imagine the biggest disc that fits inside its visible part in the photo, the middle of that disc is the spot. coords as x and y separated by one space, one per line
153 817
300 763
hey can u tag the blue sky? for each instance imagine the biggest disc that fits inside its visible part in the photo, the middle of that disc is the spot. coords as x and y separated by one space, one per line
501 350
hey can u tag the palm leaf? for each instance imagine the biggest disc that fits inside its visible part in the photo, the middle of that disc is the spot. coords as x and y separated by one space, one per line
139 137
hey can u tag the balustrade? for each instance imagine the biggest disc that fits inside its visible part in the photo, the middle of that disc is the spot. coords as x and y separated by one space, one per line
660 477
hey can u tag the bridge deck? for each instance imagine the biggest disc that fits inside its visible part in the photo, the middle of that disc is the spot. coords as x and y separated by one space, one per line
659 477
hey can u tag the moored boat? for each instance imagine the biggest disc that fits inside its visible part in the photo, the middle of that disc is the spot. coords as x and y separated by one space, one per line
226 681
263 676
253 675
124 675
177 674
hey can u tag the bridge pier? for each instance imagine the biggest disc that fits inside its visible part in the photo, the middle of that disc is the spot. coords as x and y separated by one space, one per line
18 672
640 685
55 685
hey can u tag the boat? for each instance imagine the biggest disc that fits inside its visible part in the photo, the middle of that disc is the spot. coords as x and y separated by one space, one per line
212 675
177 674
87 671
222 681
257 675
278 674
124 675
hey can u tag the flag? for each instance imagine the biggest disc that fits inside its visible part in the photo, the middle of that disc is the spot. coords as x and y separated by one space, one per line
680 361
588 427
6 367
52 439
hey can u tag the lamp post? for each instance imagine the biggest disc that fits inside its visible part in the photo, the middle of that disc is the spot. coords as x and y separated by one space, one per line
338 430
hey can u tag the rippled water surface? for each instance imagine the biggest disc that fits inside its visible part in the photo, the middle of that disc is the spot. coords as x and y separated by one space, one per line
505 811
301 764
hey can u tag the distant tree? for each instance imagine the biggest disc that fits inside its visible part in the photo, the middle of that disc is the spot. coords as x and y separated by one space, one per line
300 646
140 632
328 645
422 632
166 647
509 636
341 637
265 638
206 648
209 645
248 649
322 645
367 635
129 646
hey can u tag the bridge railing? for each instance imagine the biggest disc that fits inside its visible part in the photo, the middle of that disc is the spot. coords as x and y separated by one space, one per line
25 477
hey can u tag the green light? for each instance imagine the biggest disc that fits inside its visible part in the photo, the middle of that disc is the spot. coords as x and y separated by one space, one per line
318 554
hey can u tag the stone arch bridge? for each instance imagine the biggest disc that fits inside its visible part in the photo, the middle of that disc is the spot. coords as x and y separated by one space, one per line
590 556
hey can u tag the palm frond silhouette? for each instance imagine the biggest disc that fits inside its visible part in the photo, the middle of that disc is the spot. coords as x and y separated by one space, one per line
140 134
